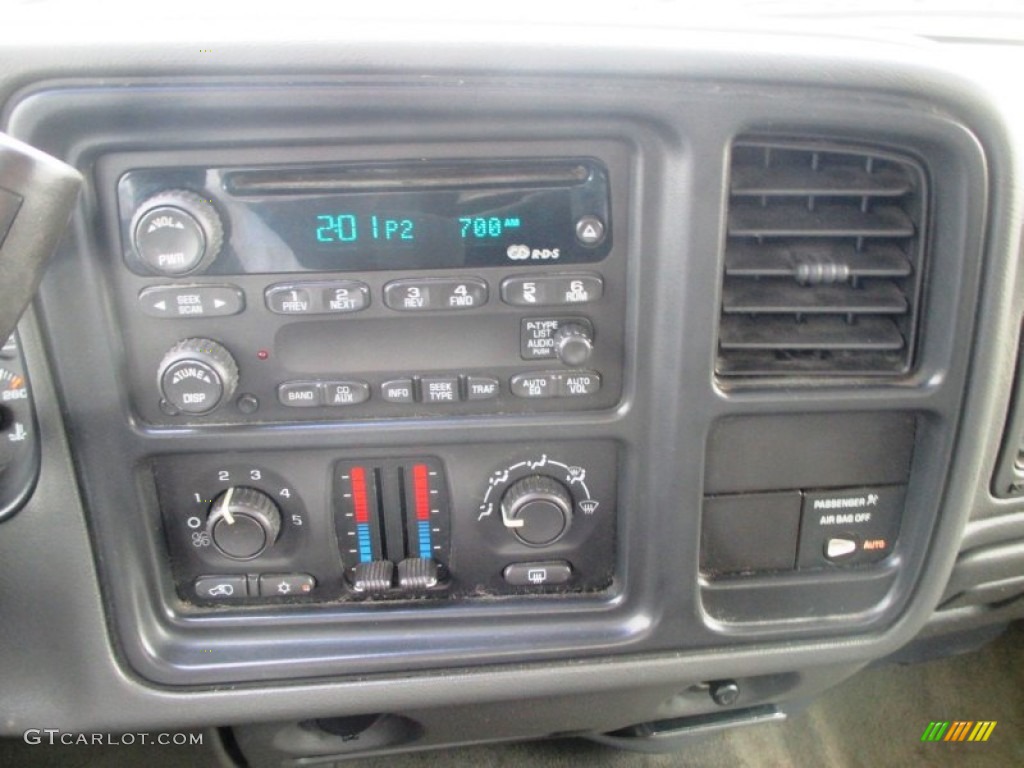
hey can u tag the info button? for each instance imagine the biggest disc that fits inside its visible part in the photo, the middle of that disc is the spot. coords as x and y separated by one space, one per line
397 391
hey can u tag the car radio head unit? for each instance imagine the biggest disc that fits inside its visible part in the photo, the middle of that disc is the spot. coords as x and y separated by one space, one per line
281 284
364 217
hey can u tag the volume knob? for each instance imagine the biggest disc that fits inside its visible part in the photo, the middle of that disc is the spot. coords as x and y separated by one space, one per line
197 375
176 232
243 522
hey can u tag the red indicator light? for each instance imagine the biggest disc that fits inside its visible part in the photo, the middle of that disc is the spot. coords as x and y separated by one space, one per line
421 491
263 354
359 494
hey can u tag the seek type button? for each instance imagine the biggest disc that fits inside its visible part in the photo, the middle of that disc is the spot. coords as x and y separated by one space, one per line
849 526
439 389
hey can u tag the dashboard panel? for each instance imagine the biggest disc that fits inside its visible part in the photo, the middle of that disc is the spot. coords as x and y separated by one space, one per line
506 387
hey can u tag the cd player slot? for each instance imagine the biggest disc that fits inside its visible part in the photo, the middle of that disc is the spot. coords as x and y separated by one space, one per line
391 178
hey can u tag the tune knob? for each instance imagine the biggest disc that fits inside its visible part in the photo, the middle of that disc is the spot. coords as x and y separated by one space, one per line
573 343
197 375
243 522
537 509
177 231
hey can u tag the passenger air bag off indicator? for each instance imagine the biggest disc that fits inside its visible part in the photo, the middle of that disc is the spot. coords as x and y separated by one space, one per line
849 526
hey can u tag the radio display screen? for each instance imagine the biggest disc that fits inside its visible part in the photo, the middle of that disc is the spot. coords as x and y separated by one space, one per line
398 217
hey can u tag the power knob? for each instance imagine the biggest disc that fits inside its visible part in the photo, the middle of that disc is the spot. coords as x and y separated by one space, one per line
243 522
176 232
574 343
537 509
197 375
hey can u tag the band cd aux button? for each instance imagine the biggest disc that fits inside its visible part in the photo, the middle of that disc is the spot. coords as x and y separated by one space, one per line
299 394
338 393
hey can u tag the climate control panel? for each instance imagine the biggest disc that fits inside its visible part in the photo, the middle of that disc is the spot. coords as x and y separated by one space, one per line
442 522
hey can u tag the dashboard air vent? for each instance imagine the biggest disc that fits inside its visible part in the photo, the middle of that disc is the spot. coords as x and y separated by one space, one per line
823 260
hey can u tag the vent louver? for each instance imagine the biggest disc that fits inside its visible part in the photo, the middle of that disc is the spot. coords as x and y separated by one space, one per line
823 261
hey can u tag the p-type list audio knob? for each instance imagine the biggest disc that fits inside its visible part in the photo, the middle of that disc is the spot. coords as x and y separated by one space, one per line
177 231
573 343
197 375
243 522
537 509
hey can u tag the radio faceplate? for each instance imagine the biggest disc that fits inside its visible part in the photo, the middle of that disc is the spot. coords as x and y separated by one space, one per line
247 335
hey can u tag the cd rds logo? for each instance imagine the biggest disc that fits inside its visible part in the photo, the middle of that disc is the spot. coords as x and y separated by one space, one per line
524 252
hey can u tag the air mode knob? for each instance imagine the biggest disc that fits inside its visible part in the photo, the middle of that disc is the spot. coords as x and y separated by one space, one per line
243 522
177 231
197 375
537 509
